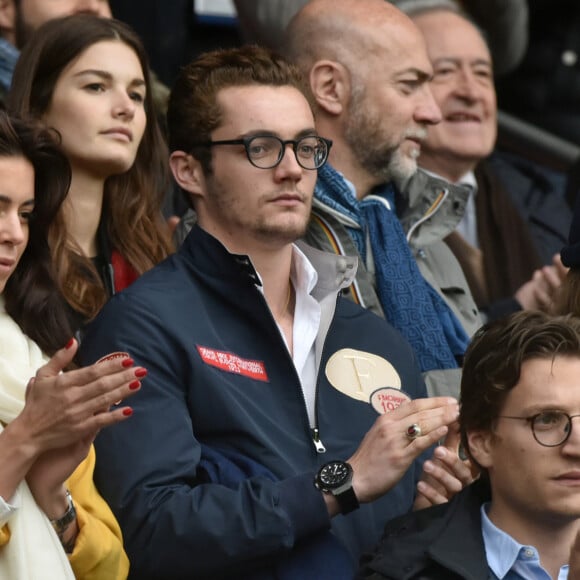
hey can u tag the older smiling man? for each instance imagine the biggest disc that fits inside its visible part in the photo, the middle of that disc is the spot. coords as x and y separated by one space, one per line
517 218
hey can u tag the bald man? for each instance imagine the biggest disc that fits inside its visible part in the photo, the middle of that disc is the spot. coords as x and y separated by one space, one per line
368 70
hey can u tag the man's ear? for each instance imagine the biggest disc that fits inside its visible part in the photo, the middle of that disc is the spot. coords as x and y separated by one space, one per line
7 19
481 447
188 172
331 85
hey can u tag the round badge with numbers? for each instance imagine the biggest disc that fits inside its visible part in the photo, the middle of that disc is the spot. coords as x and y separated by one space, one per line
388 399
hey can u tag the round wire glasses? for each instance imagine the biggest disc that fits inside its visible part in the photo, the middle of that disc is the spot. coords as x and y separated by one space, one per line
550 428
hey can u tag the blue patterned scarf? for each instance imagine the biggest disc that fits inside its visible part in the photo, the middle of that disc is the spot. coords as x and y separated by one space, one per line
410 303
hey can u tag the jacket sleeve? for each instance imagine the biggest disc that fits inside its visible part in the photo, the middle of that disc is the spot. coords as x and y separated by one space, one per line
176 525
98 551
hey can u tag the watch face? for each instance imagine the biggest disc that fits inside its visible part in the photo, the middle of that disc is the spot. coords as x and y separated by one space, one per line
334 474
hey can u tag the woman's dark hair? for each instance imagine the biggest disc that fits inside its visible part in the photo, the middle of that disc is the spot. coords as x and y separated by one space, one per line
132 200
31 293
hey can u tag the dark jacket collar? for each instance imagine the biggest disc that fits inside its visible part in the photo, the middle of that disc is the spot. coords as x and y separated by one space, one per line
445 538
211 257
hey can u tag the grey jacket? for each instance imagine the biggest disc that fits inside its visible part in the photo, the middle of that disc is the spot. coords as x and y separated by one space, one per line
429 210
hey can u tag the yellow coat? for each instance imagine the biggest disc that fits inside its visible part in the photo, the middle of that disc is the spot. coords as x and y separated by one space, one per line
98 552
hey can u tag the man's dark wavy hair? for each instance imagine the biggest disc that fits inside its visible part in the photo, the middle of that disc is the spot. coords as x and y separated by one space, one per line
494 359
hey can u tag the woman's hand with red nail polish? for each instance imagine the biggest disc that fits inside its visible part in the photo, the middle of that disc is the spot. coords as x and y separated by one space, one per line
64 411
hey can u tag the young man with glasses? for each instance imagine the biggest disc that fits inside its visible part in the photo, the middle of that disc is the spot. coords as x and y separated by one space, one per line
520 423
262 417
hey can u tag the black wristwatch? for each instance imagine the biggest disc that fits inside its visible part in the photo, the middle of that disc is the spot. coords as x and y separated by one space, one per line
335 477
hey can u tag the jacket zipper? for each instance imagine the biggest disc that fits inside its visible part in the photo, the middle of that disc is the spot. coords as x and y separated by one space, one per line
430 212
313 429
318 444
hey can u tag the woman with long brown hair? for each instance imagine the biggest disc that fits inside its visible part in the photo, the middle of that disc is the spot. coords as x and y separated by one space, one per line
88 78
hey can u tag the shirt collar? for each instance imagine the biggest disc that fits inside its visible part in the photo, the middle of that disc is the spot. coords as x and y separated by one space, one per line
469 180
503 552
501 549
302 273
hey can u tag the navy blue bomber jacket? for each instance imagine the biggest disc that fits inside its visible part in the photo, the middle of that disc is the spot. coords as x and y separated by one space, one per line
213 474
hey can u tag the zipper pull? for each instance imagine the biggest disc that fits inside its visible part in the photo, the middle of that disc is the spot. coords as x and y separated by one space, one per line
320 448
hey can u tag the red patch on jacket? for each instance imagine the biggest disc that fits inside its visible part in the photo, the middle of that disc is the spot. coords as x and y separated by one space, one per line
232 363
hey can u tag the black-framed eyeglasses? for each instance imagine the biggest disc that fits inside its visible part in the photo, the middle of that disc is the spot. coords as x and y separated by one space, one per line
267 151
550 428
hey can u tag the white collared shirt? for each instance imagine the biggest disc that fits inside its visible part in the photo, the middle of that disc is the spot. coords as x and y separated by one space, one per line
307 315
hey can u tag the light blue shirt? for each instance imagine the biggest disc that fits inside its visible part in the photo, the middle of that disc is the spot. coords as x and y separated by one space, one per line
509 560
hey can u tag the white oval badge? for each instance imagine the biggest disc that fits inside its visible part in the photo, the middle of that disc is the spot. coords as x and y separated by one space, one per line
359 374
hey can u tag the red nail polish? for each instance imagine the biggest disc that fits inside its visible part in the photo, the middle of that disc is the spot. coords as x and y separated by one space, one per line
127 412
70 343
140 373
134 385
128 362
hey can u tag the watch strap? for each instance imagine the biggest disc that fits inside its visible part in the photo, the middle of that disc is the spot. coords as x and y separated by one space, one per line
346 498
61 524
